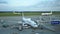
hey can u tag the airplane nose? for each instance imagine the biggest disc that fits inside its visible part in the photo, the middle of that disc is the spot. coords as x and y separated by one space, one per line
36 25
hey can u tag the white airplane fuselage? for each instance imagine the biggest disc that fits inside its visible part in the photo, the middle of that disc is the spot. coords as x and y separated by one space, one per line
47 13
29 22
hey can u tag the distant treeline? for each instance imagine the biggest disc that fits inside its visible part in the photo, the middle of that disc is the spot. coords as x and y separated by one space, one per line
26 11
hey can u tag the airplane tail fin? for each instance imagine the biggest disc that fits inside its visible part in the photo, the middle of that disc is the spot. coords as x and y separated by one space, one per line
22 14
15 12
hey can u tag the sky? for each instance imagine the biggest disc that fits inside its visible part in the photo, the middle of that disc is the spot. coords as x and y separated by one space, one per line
29 5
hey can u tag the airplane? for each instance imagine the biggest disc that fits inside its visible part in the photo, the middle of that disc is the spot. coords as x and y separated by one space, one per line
27 21
47 13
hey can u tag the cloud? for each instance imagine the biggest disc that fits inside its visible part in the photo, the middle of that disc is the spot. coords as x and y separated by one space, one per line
30 5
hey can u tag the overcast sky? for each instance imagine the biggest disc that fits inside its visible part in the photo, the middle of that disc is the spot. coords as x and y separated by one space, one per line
29 5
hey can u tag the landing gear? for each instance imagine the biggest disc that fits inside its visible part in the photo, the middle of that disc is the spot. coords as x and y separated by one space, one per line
20 28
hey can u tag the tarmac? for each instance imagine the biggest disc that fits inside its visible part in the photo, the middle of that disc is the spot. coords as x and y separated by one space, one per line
11 20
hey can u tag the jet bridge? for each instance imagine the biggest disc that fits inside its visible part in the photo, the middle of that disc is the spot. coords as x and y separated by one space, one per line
49 18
